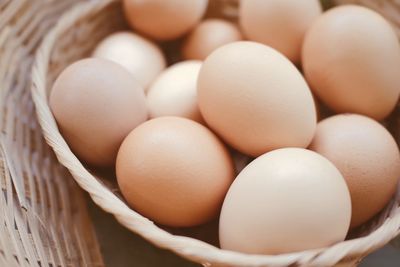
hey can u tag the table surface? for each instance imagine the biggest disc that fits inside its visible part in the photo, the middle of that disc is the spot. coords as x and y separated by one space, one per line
121 248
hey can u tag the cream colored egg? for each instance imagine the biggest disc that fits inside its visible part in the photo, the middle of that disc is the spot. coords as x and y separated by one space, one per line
366 155
138 55
96 103
255 99
284 201
164 20
351 58
174 171
208 36
280 24
174 92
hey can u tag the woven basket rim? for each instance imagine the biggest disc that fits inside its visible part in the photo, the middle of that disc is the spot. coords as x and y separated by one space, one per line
187 247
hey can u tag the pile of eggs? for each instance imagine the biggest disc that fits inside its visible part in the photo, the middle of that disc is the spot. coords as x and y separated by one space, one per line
232 129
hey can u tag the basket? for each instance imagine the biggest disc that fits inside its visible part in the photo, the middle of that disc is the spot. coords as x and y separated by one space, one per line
72 38
43 216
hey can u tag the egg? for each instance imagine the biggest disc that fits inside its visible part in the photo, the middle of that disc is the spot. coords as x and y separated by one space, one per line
351 58
164 20
174 92
280 24
138 55
174 171
367 156
255 99
96 103
287 200
208 36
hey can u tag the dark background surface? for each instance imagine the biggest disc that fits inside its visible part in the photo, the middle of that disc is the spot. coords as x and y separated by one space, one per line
122 248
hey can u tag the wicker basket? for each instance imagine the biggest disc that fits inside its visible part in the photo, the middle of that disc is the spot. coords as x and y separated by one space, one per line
43 216
73 38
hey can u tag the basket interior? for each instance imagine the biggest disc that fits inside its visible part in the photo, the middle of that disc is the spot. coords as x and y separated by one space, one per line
77 42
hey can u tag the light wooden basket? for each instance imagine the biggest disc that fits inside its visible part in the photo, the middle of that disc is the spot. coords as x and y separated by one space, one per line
43 215
74 36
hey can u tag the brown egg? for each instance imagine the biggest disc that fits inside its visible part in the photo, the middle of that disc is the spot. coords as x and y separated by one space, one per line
164 20
138 55
351 58
367 156
174 171
174 92
255 99
280 24
96 103
287 200
208 36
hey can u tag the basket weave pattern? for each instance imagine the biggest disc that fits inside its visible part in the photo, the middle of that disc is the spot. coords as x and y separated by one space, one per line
43 216
72 38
